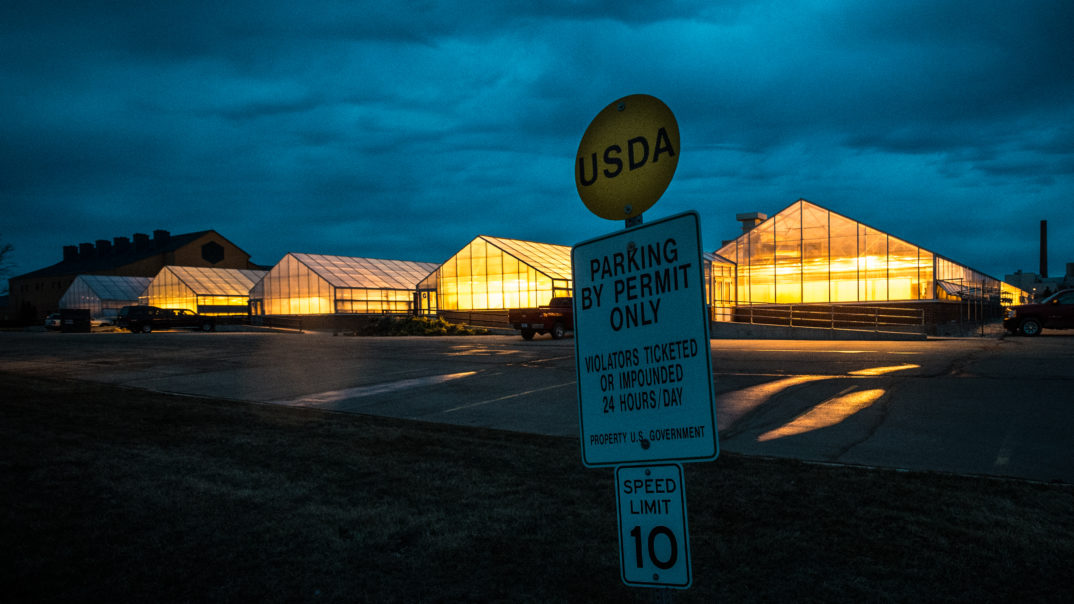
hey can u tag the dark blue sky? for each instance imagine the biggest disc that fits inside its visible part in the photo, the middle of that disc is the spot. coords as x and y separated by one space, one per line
403 130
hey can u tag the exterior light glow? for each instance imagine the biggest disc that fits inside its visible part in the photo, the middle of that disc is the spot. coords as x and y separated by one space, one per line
884 370
828 413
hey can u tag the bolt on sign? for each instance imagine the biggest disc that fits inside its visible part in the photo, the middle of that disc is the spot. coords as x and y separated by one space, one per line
642 345
627 157
653 538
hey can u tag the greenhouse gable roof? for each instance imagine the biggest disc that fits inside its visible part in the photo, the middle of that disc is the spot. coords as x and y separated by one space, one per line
367 273
725 250
550 259
112 287
809 220
205 281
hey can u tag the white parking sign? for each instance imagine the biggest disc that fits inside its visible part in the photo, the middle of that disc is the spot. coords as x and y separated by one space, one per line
642 345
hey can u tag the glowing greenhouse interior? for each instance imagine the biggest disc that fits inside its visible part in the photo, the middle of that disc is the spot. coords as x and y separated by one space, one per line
314 284
492 273
103 295
207 291
808 254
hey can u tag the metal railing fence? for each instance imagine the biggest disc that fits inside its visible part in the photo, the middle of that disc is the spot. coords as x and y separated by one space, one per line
860 317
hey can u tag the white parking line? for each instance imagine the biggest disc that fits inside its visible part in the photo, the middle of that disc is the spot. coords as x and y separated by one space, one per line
332 396
509 396
1003 456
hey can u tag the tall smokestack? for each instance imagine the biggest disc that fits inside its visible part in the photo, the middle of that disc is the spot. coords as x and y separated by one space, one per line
1043 249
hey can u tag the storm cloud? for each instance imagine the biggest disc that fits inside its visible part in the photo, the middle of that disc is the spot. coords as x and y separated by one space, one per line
404 130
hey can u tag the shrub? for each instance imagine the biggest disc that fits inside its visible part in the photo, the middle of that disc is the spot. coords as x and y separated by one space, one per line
416 326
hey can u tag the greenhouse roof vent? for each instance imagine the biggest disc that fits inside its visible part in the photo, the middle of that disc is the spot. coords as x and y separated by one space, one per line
750 220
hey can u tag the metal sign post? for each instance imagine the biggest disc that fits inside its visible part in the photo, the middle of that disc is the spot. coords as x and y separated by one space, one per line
642 337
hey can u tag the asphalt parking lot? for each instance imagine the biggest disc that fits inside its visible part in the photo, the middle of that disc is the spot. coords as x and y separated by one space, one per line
997 406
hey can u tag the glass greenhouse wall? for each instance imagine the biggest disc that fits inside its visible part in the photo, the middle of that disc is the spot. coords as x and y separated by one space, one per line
720 286
103 295
808 254
207 291
492 273
314 284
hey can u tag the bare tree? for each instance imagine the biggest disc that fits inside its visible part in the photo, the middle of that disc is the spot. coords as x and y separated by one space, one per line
5 265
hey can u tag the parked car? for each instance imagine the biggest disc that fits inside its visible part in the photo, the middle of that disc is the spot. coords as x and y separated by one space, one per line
53 321
1054 312
556 318
107 317
147 318
75 320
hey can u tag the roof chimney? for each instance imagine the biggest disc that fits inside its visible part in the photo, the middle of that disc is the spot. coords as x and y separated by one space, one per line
122 245
1043 249
161 238
104 247
141 242
750 220
86 251
70 252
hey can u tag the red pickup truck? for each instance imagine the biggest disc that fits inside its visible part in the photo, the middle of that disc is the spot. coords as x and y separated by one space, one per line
1054 312
556 318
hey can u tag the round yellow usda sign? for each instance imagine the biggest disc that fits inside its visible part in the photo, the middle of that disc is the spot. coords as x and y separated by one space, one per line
627 157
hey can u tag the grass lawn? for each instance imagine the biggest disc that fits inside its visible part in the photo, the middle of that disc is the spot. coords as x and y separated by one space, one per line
110 494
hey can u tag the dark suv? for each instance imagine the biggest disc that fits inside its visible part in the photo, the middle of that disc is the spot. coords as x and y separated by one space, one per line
147 318
1054 312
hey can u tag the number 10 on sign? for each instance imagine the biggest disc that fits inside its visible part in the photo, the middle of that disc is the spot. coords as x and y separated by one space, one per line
654 549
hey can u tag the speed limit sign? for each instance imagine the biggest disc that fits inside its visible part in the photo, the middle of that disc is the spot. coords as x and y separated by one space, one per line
654 548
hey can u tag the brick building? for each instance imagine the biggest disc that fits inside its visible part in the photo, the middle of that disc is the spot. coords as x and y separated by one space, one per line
33 295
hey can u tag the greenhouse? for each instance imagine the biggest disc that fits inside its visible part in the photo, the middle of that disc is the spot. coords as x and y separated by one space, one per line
492 273
313 284
207 291
808 254
103 295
